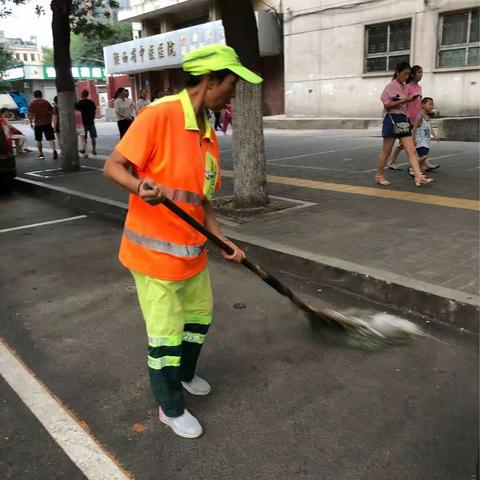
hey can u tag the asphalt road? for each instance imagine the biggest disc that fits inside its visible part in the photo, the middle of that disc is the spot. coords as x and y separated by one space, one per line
287 402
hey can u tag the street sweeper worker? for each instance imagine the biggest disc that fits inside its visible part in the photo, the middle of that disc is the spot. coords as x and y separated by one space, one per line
170 149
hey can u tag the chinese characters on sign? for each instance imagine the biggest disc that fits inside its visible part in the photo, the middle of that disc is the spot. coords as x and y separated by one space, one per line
82 72
164 50
171 52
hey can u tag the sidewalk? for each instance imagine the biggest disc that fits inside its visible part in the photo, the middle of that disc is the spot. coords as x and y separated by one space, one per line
417 251
464 129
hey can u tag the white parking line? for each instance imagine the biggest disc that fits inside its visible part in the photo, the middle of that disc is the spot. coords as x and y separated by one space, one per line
32 225
81 447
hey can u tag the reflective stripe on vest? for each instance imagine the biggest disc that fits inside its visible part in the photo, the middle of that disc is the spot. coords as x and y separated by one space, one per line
163 246
181 195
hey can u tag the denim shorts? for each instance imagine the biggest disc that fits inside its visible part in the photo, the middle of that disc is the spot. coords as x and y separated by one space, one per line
387 127
422 151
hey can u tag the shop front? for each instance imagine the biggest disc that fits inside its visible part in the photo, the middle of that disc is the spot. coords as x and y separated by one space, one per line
155 61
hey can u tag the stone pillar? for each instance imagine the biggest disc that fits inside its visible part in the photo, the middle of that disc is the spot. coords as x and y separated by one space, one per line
214 11
165 24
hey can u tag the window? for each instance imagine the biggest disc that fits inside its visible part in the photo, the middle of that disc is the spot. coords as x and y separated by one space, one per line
386 45
32 56
25 57
459 44
17 56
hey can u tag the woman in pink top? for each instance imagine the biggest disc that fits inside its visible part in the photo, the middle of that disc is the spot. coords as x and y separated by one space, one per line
395 100
80 131
227 118
414 108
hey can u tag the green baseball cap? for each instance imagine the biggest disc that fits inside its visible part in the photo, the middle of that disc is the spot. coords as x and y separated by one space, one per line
217 57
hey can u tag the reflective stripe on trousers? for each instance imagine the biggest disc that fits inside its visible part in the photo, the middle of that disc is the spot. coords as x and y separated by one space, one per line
163 246
177 315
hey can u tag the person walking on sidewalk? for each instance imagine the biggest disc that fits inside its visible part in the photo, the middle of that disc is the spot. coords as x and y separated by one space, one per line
40 116
227 117
218 123
142 101
173 151
79 128
422 135
396 125
123 110
56 120
88 110
414 90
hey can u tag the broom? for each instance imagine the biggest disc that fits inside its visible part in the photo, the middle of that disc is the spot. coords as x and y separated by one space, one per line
383 329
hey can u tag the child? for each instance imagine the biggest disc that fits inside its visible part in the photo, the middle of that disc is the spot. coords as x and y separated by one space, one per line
81 131
422 134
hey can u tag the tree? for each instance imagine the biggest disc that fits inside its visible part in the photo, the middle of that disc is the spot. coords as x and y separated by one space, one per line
250 180
77 16
6 59
86 50
47 55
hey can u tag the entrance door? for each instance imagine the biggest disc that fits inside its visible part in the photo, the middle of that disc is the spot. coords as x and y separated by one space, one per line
49 93
103 99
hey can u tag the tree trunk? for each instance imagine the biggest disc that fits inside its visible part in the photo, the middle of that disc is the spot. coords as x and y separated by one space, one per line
64 82
250 183
250 180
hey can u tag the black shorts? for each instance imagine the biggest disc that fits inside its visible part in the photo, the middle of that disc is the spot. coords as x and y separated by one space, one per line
47 130
90 130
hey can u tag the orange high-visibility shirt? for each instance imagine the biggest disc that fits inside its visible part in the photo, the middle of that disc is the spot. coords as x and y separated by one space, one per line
164 144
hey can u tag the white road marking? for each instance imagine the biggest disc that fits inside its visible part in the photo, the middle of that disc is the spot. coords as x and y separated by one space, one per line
407 164
82 449
98 156
310 167
224 221
303 155
32 225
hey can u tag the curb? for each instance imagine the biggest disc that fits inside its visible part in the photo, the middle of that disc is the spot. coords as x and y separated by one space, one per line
431 301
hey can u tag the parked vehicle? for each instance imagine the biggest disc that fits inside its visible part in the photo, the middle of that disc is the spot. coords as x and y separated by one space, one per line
8 168
16 103
7 101
22 103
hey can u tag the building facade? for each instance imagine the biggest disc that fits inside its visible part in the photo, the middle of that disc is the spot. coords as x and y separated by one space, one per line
28 78
339 55
26 52
336 56
165 30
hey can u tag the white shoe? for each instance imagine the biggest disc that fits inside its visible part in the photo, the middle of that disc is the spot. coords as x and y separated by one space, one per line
186 425
197 386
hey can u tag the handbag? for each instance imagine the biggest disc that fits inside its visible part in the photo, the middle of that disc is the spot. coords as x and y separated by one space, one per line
400 128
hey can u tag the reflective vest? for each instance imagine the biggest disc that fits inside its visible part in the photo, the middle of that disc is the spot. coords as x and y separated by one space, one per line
163 144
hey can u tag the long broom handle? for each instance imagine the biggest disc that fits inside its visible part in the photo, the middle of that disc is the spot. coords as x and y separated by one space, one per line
327 315
266 277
